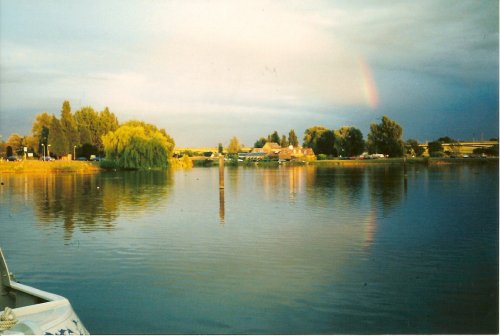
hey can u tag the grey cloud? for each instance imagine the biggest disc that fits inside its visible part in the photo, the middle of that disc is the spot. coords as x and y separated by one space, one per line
449 38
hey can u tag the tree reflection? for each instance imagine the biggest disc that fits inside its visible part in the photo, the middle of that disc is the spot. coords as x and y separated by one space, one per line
335 187
368 189
386 187
93 202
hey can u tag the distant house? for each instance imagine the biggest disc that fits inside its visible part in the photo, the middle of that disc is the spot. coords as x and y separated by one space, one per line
271 147
294 153
253 156
258 150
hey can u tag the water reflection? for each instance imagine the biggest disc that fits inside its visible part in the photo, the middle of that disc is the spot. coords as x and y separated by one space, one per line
93 202
304 249
222 211
387 187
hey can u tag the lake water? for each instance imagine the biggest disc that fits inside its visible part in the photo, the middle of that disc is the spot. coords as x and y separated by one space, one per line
280 250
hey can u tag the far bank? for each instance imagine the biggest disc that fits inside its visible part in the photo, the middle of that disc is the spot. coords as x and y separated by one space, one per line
86 167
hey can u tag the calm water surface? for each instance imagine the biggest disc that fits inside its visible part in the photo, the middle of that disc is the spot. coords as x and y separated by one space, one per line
280 250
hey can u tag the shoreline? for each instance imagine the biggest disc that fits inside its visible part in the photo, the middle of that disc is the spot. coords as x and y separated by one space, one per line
409 161
85 167
48 167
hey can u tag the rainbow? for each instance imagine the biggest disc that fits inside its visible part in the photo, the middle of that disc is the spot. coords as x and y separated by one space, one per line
368 84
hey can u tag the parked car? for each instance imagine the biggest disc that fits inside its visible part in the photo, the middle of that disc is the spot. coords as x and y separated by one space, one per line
47 158
81 158
13 158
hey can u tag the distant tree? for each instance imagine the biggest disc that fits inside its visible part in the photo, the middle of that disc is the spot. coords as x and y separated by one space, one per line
151 129
284 141
491 151
274 137
3 149
137 145
107 123
220 149
292 138
386 138
260 143
454 148
16 143
57 139
69 128
446 139
349 141
31 143
40 130
87 122
320 139
92 125
234 146
413 148
311 135
86 150
435 148
326 143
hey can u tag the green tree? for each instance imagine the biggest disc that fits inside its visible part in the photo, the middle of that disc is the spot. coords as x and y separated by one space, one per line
40 130
234 146
260 143
491 151
284 142
326 143
454 148
435 148
413 148
69 128
107 123
320 139
292 138
16 142
87 122
386 138
3 149
274 137
446 139
220 149
137 145
57 139
311 135
349 141
150 129
31 143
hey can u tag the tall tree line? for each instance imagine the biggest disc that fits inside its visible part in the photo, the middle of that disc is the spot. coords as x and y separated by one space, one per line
283 141
384 138
80 132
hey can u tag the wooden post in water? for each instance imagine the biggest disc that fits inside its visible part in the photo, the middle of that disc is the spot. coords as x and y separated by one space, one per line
221 172
222 212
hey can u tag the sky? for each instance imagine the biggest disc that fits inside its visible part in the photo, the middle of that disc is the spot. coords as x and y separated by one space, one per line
206 71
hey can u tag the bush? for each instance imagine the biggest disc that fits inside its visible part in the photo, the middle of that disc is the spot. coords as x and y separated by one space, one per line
436 154
108 164
322 157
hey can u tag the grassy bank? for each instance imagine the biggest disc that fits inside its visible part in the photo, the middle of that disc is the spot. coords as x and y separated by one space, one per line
399 161
32 166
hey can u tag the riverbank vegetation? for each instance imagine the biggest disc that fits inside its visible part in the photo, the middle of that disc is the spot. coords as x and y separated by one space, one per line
138 145
87 134
428 161
42 167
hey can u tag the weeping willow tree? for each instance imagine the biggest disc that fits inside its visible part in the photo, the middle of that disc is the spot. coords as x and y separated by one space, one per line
137 145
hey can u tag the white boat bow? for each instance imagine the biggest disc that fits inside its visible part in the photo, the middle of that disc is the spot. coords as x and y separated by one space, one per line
35 312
